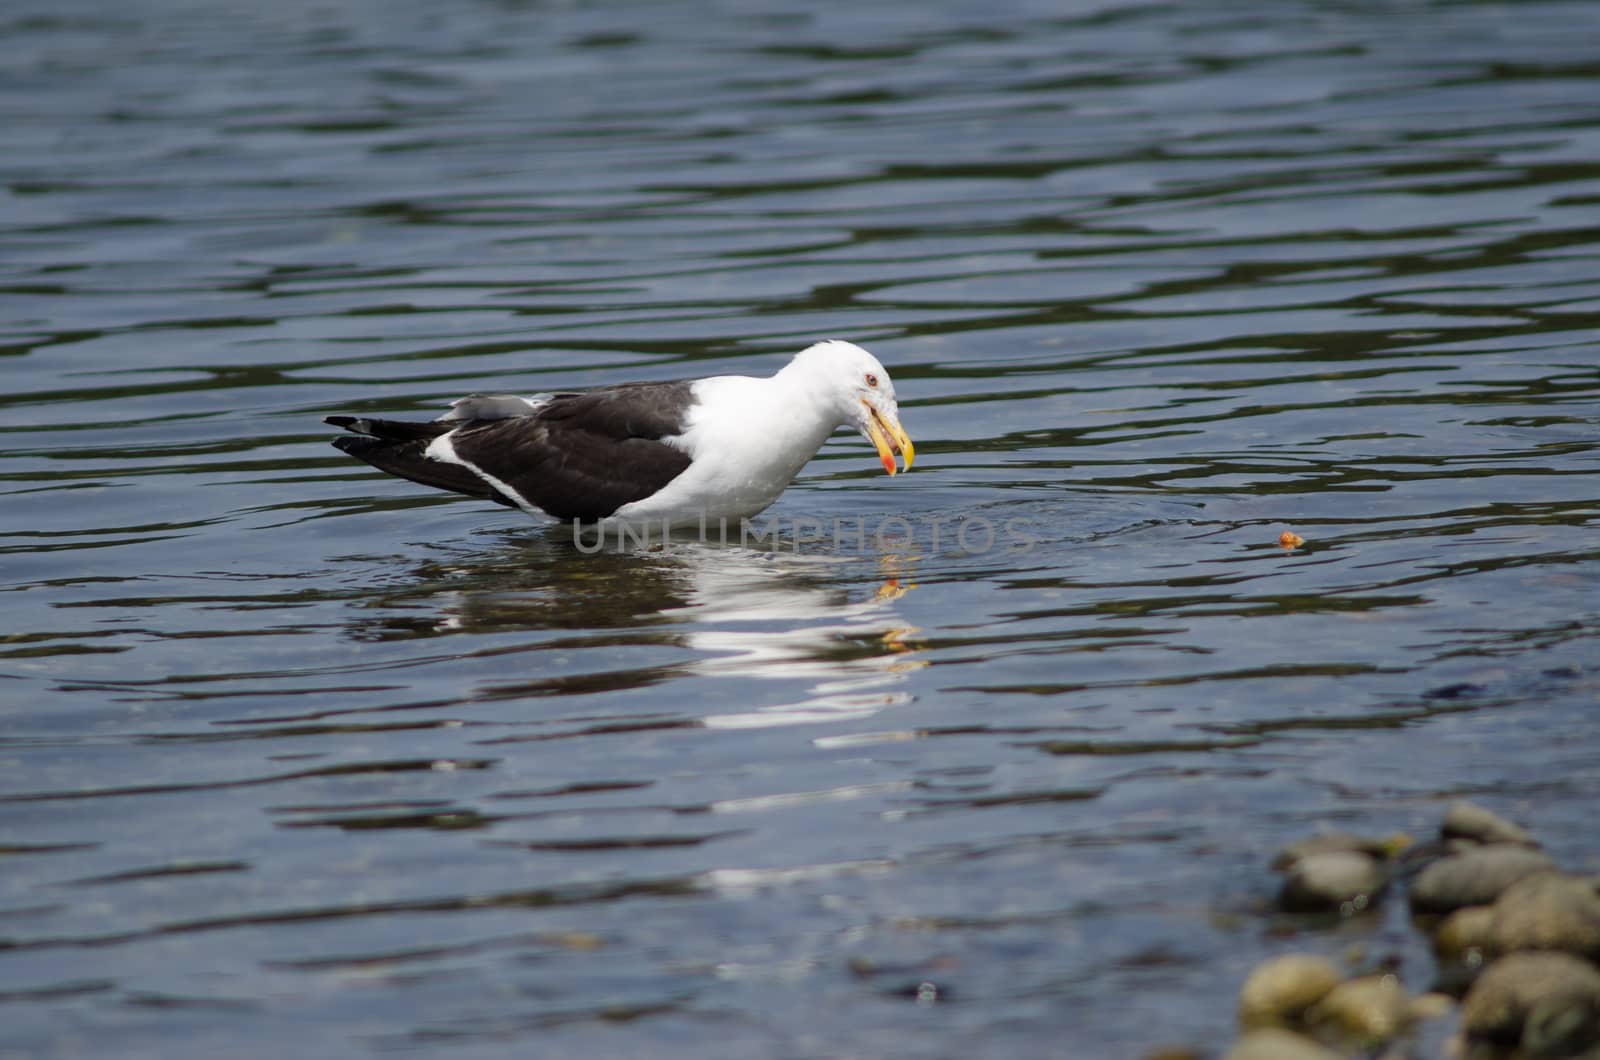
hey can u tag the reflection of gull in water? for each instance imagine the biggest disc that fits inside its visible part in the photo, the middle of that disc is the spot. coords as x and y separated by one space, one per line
778 615
758 620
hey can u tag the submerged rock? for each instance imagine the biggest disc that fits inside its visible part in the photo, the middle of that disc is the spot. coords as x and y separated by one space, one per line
1468 820
1474 877
1338 880
1501 910
1548 1003
1281 990
1337 843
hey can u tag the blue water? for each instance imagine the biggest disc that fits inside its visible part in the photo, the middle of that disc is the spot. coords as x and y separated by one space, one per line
302 759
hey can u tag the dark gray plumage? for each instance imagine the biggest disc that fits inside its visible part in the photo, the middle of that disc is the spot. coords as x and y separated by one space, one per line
572 456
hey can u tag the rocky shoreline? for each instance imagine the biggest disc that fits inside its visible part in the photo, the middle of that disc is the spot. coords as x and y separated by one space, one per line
1515 938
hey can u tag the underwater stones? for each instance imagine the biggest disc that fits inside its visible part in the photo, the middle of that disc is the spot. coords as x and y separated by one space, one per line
1336 842
1282 990
1312 1007
1474 877
1468 820
1339 880
1514 936
1335 872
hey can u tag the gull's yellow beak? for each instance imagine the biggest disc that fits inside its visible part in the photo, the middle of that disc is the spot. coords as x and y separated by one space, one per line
888 436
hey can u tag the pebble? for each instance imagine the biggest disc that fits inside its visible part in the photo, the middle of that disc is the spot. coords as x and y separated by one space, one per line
1508 915
1464 934
1332 843
1338 880
1362 1013
1474 877
1276 1044
1547 1002
1547 912
1432 1006
1468 820
1280 991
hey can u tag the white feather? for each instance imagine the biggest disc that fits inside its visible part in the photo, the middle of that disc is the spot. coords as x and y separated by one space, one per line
748 437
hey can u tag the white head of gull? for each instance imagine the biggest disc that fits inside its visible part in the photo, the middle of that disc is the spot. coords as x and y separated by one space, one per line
658 454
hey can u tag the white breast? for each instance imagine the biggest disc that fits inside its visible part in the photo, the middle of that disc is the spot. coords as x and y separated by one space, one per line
748 439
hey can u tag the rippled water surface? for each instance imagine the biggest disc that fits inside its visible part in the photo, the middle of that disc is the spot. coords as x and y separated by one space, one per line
301 760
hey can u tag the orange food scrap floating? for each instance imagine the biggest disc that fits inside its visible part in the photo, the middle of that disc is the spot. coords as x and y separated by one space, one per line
1290 539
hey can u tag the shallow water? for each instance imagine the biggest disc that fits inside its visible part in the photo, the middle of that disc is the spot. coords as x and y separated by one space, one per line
300 758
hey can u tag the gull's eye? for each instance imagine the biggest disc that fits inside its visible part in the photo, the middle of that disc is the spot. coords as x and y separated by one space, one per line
872 381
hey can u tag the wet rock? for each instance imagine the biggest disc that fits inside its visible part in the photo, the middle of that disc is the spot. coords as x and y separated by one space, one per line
1464 933
1276 1044
1362 1013
1468 820
1474 877
1424 854
1339 880
1547 912
1432 1006
1281 990
1333 843
1548 1003
1413 861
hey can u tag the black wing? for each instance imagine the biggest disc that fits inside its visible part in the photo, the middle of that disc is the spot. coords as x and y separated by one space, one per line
579 456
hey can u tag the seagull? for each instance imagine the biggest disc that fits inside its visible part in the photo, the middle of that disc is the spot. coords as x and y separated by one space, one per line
663 454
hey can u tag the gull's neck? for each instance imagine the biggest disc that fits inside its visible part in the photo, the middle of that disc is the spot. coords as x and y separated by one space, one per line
806 385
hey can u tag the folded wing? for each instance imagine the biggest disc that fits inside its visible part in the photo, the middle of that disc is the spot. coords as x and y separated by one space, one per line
572 456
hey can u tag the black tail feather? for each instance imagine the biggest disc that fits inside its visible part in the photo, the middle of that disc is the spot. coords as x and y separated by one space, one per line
391 430
397 446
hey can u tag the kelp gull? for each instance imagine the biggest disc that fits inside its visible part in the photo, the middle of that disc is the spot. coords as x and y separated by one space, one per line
659 454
